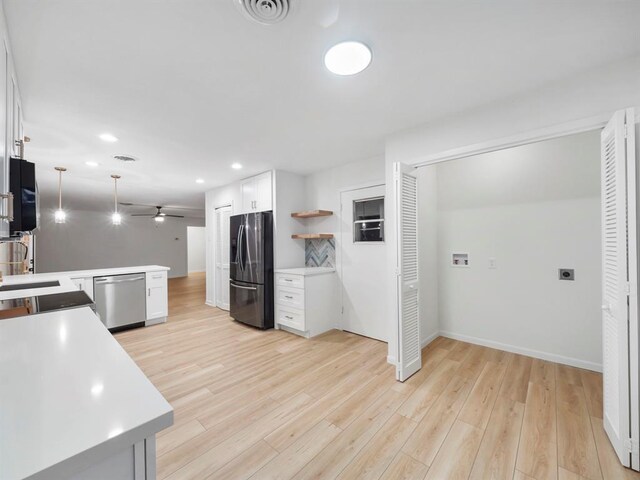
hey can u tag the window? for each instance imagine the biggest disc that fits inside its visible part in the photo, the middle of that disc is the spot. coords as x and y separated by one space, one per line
368 220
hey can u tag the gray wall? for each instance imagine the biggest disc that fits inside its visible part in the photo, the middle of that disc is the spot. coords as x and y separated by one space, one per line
88 240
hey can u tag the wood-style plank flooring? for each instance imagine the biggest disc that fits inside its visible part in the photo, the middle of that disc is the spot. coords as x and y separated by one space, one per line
271 405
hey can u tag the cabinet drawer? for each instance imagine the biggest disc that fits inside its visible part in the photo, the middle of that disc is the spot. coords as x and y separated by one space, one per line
286 280
290 317
156 279
290 297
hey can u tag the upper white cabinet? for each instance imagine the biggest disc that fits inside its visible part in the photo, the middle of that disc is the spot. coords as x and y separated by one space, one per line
10 129
257 193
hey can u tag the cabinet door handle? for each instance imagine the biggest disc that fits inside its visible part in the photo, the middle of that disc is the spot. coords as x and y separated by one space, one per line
289 297
148 292
289 317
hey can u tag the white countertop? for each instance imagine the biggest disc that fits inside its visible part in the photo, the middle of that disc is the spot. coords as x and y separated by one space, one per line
306 271
66 285
69 396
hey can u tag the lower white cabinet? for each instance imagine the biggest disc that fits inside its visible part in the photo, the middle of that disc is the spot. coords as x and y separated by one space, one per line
157 300
86 284
306 304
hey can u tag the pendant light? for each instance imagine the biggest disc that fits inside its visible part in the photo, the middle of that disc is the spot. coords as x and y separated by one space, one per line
116 218
60 216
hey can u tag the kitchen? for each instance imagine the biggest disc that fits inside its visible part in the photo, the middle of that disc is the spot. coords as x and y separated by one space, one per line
287 338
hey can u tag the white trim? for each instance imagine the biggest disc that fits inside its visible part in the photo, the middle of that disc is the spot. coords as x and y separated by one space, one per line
211 304
392 360
429 339
552 357
539 135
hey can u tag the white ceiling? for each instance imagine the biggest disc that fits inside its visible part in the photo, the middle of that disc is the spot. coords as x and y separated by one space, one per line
190 86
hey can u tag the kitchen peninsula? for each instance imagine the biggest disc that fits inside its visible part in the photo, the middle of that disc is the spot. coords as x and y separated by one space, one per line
74 404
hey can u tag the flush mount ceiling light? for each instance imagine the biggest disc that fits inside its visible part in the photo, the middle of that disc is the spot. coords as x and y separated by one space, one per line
116 218
347 58
107 137
60 215
91 163
236 166
199 180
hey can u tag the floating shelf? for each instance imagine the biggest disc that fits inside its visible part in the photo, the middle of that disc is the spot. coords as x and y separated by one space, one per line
309 236
312 213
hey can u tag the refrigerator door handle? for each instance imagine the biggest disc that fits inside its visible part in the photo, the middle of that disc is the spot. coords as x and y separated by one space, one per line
241 287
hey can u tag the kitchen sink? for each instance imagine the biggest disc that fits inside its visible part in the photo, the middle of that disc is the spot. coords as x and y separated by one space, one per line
26 286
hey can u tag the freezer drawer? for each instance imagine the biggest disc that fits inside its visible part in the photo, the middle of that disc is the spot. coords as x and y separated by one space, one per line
121 300
248 304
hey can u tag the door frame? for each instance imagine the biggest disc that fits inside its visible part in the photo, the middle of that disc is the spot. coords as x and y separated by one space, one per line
360 186
339 265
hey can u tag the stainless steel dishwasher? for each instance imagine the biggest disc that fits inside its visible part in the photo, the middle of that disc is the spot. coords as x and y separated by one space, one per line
120 300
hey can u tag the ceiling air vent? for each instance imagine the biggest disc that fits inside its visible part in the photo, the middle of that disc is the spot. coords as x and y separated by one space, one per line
124 158
266 12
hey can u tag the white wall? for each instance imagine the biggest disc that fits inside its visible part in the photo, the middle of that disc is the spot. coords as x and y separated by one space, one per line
534 208
289 197
196 249
428 253
88 240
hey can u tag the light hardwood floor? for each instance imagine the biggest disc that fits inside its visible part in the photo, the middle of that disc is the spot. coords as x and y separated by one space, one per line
271 405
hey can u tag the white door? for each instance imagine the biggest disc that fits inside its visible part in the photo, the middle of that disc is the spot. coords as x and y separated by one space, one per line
222 257
619 283
362 262
406 197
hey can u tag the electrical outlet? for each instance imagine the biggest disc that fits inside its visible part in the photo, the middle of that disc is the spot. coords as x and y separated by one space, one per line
566 274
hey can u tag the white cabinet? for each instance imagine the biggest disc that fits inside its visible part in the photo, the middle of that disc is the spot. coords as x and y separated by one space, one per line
84 283
257 193
157 302
306 304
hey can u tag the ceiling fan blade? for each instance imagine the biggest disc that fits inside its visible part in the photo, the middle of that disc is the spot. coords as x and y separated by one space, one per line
174 216
142 215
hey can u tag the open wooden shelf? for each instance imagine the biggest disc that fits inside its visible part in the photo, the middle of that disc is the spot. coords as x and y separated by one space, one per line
312 213
309 236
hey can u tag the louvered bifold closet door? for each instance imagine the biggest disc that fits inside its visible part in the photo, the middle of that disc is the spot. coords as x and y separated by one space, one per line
406 190
615 284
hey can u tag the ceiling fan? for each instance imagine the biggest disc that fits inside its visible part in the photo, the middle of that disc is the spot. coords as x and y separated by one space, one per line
159 216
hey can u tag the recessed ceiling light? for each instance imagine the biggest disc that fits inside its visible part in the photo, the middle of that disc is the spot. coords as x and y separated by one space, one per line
347 58
236 166
199 180
107 137
91 163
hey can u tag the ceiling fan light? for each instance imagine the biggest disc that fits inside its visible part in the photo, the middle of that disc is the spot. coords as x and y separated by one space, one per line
116 218
159 218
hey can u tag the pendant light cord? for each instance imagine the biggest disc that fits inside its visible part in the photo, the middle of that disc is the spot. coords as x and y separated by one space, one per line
59 189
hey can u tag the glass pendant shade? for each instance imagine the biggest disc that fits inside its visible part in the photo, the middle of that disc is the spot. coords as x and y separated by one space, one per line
60 216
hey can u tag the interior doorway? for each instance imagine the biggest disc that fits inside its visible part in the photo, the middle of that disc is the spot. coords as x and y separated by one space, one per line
196 249
222 246
362 262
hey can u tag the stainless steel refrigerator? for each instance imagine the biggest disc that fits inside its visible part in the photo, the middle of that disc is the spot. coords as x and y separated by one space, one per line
251 269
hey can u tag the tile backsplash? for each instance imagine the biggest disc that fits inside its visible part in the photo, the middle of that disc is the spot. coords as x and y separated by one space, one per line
320 252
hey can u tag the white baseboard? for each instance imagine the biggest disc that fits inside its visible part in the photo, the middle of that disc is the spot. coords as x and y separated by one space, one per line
391 359
211 304
552 357
429 339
